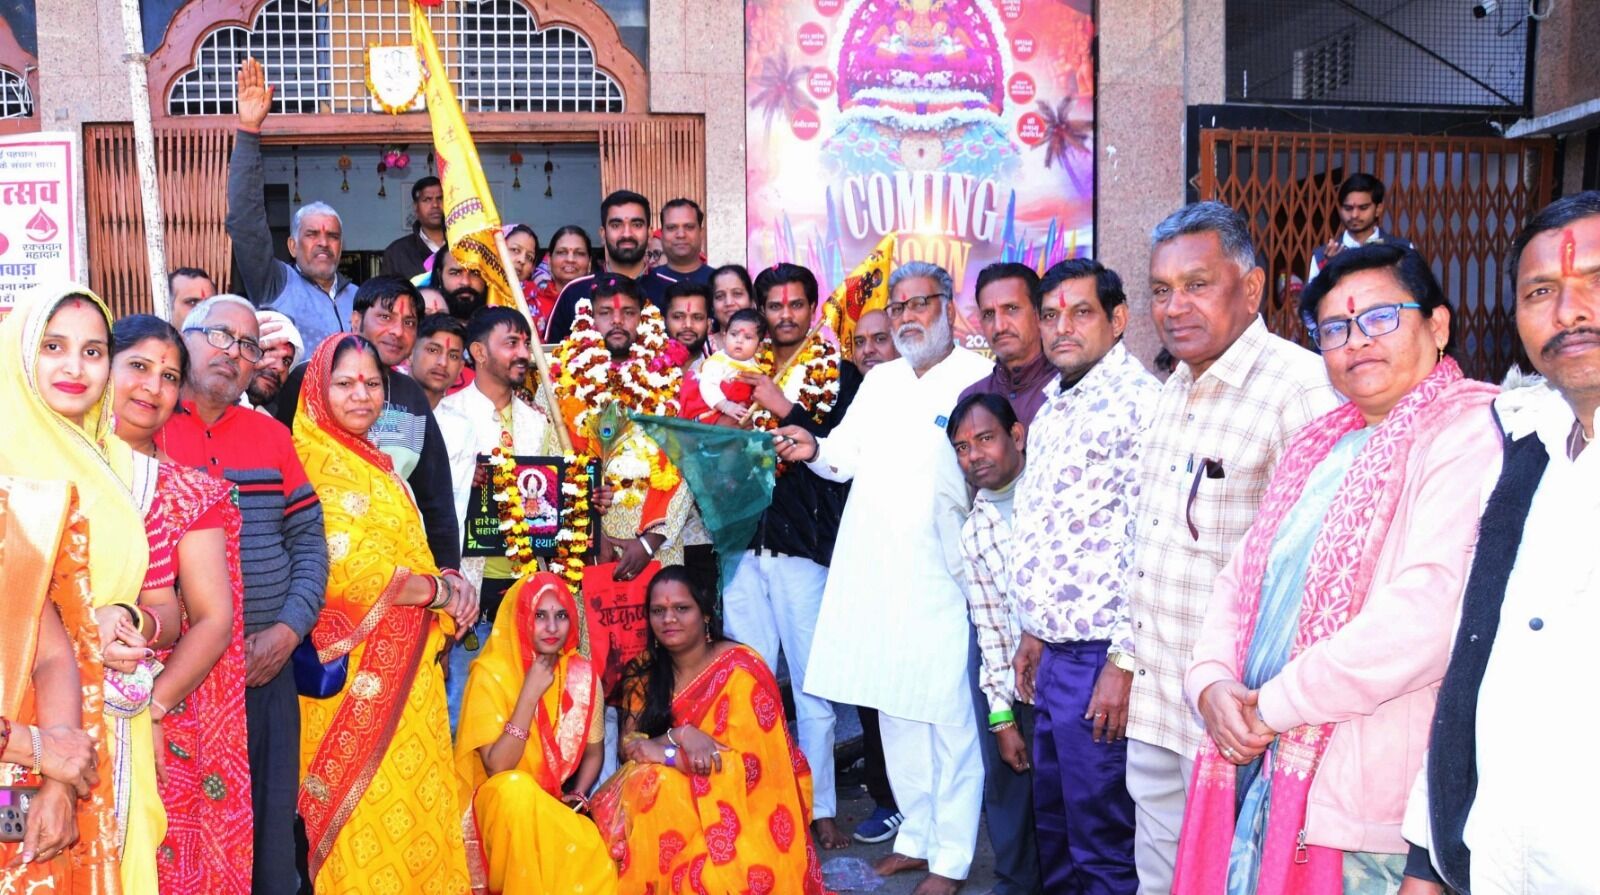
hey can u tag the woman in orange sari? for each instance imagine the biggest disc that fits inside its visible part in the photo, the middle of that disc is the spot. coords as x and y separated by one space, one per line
52 682
715 796
379 792
531 738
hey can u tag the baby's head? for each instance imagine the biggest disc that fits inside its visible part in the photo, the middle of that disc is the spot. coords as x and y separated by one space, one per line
743 336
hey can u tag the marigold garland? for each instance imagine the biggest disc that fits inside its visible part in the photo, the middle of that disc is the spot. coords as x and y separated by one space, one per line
573 539
646 382
817 365
513 517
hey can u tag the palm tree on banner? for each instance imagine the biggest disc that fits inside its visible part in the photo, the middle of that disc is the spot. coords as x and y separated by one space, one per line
1067 140
780 87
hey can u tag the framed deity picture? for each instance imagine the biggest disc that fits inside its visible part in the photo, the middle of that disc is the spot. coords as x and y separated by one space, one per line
538 480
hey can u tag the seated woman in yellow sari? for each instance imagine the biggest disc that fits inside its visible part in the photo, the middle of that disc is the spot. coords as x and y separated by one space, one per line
56 398
531 734
379 792
715 796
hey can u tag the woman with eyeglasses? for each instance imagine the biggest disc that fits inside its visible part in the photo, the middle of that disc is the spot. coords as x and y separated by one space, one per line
1329 629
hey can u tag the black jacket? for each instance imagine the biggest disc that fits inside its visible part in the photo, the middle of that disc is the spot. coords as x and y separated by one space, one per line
414 430
804 517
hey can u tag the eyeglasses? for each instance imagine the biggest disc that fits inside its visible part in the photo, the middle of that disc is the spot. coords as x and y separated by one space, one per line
917 303
1210 468
1374 322
219 338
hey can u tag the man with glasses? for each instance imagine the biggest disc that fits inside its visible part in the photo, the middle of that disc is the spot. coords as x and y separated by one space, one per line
1221 421
1069 580
893 633
283 555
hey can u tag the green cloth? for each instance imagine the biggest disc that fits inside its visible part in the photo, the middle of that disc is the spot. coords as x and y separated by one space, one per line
729 471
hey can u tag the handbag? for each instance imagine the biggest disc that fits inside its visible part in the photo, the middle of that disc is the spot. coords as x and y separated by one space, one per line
316 679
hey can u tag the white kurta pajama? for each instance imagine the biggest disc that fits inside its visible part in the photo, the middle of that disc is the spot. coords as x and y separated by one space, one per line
893 632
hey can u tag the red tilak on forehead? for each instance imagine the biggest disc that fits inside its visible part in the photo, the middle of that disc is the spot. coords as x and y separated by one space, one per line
1569 252
1350 303
616 304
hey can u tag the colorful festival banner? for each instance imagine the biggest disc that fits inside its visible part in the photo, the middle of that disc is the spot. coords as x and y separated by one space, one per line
965 127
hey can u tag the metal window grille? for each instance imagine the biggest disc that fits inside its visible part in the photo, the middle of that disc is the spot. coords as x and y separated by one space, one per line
290 37
503 62
315 55
1433 54
16 100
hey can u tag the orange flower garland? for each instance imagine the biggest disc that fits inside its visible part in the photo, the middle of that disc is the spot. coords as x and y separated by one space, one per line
573 540
513 518
818 366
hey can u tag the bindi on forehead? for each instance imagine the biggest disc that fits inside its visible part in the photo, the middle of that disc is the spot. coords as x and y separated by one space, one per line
1350 303
1569 252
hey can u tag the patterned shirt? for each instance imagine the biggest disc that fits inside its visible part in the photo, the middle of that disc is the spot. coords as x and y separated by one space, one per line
1218 439
1073 536
985 543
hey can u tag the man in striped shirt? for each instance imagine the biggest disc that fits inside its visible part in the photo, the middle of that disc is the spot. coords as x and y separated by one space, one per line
1219 426
282 552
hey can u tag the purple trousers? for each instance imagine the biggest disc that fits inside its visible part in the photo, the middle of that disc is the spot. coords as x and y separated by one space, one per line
1080 800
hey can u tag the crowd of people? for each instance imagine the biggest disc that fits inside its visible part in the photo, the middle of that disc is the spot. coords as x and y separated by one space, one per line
1275 624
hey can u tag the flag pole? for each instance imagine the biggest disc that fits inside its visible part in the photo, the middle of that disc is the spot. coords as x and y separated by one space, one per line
546 393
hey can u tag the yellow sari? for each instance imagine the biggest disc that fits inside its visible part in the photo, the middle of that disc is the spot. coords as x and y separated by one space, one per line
379 793
531 843
745 828
41 444
44 562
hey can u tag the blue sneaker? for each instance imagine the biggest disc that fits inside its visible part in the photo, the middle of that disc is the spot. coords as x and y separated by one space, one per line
879 826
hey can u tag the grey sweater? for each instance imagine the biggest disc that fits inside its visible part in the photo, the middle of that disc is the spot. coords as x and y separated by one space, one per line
269 282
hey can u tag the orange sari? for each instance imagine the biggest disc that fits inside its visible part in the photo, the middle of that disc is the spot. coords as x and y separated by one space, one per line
743 829
44 561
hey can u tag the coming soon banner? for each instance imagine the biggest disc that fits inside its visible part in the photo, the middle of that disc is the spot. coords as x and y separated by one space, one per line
965 126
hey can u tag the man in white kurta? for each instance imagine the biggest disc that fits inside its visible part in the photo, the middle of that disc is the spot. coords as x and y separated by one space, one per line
893 631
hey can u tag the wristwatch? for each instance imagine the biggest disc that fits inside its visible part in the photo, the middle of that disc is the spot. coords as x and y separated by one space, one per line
1120 659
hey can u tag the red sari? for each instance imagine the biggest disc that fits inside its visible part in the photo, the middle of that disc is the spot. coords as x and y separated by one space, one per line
210 836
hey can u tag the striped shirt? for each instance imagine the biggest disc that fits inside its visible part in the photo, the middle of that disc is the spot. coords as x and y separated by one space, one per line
985 538
1219 437
282 552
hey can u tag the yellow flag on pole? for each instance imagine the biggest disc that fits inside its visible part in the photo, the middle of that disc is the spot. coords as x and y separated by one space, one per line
865 289
471 222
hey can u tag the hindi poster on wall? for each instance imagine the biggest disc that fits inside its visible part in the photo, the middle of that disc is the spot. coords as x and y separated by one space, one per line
967 128
38 224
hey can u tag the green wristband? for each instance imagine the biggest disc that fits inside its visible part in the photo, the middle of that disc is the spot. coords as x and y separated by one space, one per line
1001 717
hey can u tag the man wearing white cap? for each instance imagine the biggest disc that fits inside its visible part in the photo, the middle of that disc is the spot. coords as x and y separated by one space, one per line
282 348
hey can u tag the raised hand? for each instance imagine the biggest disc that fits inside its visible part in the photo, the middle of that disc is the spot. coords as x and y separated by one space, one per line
254 96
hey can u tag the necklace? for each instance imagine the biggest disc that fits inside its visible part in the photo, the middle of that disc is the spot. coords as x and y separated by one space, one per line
1578 440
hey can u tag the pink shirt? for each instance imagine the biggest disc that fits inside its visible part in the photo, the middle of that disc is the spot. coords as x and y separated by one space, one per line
1376 679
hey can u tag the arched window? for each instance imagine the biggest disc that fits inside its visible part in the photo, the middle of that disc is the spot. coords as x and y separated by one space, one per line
499 59
291 39
16 100
503 62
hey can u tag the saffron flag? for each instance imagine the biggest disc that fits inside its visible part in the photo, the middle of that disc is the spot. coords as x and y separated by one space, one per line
865 289
471 221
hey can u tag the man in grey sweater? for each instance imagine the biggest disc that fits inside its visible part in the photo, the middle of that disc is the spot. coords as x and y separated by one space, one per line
310 291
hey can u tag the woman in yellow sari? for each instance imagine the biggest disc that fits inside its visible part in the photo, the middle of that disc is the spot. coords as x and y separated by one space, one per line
379 792
715 796
56 400
530 748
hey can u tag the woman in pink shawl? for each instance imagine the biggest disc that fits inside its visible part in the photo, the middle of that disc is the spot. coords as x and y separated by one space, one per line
1329 630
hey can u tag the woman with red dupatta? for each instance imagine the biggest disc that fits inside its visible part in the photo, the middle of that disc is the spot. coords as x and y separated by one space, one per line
530 748
379 791
197 703
715 796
